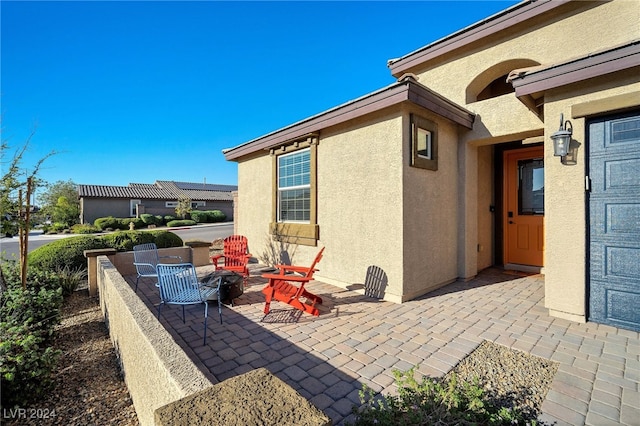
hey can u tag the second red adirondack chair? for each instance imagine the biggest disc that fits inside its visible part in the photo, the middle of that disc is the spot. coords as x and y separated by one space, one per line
289 288
236 256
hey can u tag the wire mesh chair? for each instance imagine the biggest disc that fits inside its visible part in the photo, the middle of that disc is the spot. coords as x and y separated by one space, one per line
179 285
146 258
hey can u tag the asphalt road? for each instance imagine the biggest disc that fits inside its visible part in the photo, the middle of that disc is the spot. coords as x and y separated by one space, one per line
209 232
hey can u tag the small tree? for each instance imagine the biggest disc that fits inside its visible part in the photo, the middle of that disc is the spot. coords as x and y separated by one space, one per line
184 207
16 187
60 202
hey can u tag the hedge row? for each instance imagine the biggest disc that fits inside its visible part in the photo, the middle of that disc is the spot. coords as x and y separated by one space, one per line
111 223
69 252
208 216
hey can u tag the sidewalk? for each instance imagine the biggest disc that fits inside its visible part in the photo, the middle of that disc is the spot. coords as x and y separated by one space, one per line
358 340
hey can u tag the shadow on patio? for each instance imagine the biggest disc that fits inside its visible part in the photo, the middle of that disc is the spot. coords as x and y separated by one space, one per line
360 340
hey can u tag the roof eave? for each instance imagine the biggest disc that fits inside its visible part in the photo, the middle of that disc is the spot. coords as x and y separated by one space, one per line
590 66
406 90
491 25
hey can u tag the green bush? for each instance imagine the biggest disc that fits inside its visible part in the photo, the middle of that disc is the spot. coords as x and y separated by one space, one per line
168 219
207 216
25 371
217 216
125 240
433 401
105 223
69 279
28 318
166 239
85 228
182 222
68 253
150 219
137 223
65 252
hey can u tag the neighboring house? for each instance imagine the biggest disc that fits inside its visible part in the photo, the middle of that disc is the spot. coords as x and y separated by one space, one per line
451 169
160 198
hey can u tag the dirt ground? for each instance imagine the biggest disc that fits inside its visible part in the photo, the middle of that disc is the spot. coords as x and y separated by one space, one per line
89 387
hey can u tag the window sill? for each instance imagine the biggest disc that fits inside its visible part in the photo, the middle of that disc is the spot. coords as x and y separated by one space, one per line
304 234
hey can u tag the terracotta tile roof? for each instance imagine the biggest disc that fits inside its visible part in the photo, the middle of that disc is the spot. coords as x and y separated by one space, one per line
161 190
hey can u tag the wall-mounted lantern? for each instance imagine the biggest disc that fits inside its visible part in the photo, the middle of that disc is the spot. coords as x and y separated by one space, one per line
562 139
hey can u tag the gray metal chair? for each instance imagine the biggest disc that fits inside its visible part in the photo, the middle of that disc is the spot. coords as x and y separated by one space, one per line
179 285
146 258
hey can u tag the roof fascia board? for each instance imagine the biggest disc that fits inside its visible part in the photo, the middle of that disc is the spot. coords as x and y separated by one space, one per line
376 101
356 108
581 69
424 97
491 25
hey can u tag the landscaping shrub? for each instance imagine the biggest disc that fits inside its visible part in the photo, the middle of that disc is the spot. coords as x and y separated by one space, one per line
207 216
27 322
217 216
168 218
433 401
150 219
66 252
85 228
69 279
137 223
166 239
105 223
125 240
181 222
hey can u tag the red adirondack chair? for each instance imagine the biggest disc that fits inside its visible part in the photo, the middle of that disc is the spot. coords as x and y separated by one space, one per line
289 288
235 255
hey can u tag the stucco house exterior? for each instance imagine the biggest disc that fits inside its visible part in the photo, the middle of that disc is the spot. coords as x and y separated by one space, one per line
159 198
451 168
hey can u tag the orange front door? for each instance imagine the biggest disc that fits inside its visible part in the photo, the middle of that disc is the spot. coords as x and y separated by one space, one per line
524 206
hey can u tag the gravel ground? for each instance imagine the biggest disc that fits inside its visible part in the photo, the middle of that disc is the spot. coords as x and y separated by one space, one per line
89 388
511 378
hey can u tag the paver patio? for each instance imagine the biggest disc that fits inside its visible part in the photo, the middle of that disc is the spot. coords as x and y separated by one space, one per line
358 340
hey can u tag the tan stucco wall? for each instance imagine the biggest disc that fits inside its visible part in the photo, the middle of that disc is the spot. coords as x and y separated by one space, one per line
359 195
565 197
360 201
430 214
570 36
156 370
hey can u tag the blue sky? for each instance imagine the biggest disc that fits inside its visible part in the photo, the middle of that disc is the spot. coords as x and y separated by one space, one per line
155 90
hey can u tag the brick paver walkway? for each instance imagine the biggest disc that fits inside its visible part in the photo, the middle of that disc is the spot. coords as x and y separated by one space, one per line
358 340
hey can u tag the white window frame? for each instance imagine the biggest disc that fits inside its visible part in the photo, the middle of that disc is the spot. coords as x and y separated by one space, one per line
171 204
281 190
132 207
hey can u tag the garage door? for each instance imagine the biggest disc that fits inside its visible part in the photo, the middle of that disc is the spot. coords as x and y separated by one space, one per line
614 217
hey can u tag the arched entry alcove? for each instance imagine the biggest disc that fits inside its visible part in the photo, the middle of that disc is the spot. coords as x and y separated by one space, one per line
492 82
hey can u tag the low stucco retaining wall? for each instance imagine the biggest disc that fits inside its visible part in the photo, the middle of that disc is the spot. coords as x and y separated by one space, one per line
156 370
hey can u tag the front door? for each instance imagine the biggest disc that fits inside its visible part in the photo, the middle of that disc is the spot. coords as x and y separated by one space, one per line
614 219
524 207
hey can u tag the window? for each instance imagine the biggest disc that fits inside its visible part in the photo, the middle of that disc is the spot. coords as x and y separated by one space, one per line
196 204
133 210
294 178
171 204
531 187
294 187
424 143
